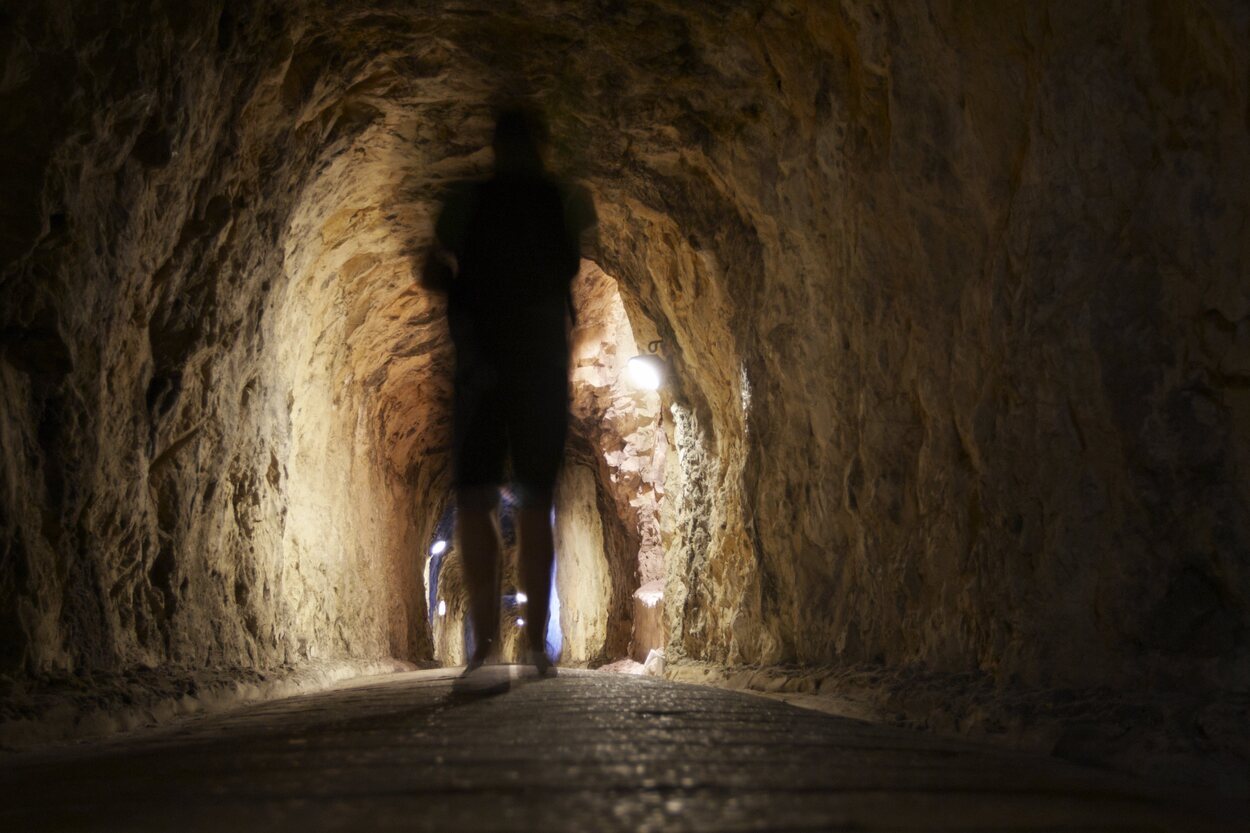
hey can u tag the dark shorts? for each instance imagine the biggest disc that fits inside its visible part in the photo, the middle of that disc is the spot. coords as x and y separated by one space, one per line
511 403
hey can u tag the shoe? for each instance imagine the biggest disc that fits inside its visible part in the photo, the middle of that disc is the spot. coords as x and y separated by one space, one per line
542 664
475 662
482 680
479 657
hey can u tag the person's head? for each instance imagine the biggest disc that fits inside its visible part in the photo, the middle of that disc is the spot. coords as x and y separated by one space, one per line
520 139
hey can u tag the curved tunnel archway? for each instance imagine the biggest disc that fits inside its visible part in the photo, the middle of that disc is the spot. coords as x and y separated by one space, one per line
946 387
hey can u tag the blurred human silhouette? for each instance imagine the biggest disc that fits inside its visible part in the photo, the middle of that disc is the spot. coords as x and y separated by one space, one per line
506 250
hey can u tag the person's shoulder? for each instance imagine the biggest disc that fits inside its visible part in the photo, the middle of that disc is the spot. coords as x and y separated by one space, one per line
458 200
579 205
461 192
573 190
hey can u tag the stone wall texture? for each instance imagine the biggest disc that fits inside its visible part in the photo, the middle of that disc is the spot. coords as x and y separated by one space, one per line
954 297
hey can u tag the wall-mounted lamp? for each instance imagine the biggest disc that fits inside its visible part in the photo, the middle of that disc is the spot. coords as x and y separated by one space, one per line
647 371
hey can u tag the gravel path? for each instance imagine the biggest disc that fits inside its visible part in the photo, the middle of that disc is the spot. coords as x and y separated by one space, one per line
586 751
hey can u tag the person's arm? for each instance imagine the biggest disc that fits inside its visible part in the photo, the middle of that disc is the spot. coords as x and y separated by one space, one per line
581 225
582 220
438 270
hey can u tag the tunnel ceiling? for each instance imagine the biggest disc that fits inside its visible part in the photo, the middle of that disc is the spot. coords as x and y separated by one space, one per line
953 381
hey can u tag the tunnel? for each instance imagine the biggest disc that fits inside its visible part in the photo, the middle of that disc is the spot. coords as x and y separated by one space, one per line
950 298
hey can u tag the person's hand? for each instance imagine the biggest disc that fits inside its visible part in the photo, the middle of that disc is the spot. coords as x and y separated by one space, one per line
436 273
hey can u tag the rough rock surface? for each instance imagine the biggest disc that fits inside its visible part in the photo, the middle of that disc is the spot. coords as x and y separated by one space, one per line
649 634
609 502
583 574
89 706
449 625
621 419
954 298
1200 741
449 618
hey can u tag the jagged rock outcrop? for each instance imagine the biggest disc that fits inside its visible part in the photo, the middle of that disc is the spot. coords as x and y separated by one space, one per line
953 298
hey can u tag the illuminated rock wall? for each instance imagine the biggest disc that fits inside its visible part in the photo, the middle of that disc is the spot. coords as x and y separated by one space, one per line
583 575
197 464
609 537
953 296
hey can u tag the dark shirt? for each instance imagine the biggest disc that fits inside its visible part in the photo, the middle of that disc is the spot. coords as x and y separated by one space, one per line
516 240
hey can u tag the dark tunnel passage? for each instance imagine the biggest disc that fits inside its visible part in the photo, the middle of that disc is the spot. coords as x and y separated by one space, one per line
951 300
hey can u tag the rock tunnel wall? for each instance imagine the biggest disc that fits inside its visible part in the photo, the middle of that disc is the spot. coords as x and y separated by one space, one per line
193 473
953 295
960 314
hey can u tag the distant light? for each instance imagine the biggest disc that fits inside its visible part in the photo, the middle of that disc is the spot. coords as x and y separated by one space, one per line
442 608
649 597
440 546
646 372
520 623
521 598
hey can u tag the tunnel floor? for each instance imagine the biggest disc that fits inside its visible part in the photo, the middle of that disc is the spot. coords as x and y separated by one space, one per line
584 751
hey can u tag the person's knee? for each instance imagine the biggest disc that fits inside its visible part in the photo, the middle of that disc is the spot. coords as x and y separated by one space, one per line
477 499
532 500
533 519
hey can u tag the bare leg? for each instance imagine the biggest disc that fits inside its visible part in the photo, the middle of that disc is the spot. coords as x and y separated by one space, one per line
537 552
479 547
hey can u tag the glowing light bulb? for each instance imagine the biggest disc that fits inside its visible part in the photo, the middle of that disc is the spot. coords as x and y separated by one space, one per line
521 598
520 623
442 608
440 546
646 372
